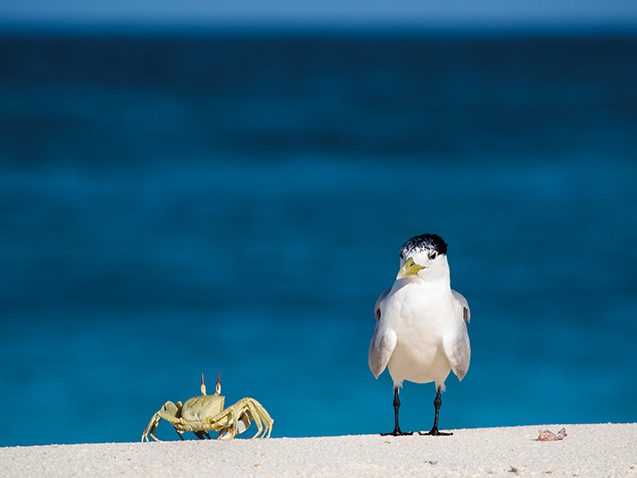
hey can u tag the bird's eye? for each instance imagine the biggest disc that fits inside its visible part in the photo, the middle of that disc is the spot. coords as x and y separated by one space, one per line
433 255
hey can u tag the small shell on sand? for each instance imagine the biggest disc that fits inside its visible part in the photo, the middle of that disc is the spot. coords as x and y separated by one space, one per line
547 435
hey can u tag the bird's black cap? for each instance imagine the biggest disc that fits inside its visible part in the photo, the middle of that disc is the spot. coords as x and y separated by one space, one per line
431 243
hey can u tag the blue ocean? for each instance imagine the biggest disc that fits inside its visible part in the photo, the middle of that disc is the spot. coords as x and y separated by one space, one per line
172 204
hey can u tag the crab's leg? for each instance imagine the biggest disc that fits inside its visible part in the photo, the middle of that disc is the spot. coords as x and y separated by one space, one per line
237 418
254 413
244 413
260 416
168 412
234 414
267 420
151 427
226 423
247 410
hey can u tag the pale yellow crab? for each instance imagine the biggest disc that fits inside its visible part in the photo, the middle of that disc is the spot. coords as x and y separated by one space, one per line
205 412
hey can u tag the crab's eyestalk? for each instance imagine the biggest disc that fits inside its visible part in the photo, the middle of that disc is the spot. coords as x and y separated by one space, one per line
203 385
218 388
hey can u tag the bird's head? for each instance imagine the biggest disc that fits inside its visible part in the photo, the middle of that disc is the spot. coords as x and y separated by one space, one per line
424 256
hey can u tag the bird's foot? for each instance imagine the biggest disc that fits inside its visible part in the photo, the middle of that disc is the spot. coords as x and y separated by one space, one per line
437 433
397 433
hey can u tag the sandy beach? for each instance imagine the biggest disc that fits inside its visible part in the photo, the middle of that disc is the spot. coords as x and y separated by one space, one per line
587 450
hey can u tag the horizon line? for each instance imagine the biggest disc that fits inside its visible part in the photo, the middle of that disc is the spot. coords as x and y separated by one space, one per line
319 28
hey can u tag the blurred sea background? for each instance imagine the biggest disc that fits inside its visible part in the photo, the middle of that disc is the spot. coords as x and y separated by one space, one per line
235 203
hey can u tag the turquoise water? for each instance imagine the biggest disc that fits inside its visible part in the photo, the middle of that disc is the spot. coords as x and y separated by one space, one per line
176 205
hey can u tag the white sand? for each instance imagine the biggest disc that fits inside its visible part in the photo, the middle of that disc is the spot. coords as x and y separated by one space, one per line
588 450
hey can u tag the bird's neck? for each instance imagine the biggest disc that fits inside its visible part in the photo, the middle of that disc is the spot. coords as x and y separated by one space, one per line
439 277
434 280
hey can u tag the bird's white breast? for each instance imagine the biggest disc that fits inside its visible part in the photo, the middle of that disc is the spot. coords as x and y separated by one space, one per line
421 314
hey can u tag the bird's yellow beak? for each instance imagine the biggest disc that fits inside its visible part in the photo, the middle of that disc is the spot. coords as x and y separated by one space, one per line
409 268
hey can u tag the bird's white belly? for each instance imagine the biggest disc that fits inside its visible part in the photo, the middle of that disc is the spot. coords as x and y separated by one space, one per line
418 366
419 324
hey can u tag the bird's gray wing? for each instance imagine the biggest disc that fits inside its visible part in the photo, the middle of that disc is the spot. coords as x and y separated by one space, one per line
466 313
382 346
379 302
383 341
456 344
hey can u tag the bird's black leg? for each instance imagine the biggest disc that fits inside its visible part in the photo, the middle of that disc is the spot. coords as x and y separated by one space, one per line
397 431
434 431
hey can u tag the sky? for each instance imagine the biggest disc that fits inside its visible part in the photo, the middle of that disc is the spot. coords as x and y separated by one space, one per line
501 13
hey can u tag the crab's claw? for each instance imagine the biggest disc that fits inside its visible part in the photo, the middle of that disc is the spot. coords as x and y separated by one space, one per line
218 388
